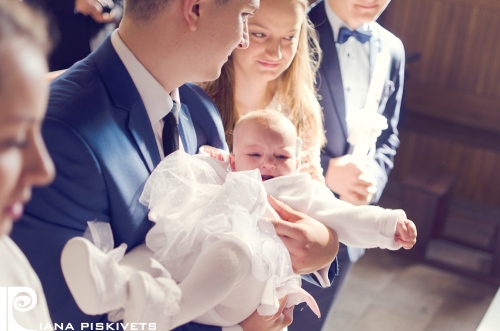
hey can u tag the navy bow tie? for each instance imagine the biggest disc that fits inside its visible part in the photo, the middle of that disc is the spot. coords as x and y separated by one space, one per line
345 33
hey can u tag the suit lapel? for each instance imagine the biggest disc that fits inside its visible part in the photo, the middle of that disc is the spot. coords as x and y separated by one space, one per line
142 133
375 47
187 131
331 67
124 95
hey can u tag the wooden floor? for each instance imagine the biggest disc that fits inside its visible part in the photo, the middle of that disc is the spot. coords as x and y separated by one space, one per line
388 292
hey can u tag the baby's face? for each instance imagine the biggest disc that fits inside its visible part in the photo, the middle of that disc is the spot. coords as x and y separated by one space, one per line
258 147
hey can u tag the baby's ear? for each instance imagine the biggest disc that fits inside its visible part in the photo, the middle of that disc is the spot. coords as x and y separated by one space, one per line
231 162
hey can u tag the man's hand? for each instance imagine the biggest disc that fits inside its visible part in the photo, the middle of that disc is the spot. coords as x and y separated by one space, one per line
311 244
347 177
93 8
277 322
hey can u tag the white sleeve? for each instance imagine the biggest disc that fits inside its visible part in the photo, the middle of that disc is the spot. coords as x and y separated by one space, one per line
233 328
357 226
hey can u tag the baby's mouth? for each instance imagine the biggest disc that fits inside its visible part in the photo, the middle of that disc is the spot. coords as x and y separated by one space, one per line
266 177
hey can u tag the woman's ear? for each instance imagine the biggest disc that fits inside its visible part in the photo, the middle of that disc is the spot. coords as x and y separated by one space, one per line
297 168
191 11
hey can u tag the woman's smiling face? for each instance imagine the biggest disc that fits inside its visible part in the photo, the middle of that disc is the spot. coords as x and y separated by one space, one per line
274 32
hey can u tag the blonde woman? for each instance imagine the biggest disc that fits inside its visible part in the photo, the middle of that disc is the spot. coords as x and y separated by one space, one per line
276 71
24 161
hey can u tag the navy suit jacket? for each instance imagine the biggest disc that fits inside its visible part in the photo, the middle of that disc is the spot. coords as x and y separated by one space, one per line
332 100
102 143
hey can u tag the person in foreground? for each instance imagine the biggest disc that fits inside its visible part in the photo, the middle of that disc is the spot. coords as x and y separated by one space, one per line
209 222
24 161
351 41
106 132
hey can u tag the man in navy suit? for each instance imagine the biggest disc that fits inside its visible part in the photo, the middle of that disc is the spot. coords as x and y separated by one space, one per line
351 41
104 131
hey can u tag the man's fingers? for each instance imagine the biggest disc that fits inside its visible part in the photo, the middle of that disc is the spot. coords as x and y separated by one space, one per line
106 3
284 229
284 316
305 157
283 210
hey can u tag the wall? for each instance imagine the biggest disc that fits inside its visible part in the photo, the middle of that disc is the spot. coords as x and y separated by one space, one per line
451 120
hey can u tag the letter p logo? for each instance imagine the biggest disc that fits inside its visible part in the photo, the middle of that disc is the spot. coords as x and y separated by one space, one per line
14 302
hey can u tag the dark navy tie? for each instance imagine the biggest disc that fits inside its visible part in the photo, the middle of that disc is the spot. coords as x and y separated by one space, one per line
170 134
345 33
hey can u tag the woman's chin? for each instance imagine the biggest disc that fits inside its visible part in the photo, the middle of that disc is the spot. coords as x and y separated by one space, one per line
5 226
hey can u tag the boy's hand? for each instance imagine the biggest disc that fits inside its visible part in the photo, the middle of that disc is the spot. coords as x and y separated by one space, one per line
348 177
406 233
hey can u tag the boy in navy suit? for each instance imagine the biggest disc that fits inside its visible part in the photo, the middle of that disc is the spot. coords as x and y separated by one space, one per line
351 41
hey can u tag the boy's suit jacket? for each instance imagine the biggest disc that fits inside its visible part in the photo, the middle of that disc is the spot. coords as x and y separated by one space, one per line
332 95
102 143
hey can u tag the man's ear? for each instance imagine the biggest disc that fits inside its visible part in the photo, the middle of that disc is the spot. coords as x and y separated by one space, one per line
231 162
191 11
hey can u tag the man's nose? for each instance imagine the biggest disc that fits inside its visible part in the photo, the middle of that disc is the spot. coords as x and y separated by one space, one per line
245 39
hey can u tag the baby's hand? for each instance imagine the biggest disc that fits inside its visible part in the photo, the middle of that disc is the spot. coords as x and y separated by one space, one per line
406 233
214 153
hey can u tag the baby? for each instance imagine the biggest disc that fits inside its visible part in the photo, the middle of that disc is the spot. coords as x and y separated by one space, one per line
212 236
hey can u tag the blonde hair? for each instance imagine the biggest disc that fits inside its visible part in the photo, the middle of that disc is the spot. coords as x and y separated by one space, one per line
296 93
19 21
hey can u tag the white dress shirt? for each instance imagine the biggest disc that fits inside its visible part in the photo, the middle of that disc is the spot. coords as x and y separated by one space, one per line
157 101
354 58
17 272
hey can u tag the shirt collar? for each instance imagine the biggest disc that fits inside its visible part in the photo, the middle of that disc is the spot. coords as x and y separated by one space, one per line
336 23
157 101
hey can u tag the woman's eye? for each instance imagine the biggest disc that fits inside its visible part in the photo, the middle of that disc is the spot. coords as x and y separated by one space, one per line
258 34
14 144
290 38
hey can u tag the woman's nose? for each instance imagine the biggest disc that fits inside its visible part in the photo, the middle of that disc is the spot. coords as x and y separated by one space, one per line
274 50
38 169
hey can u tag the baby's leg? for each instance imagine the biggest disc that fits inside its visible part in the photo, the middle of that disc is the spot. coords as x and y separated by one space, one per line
216 272
139 259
